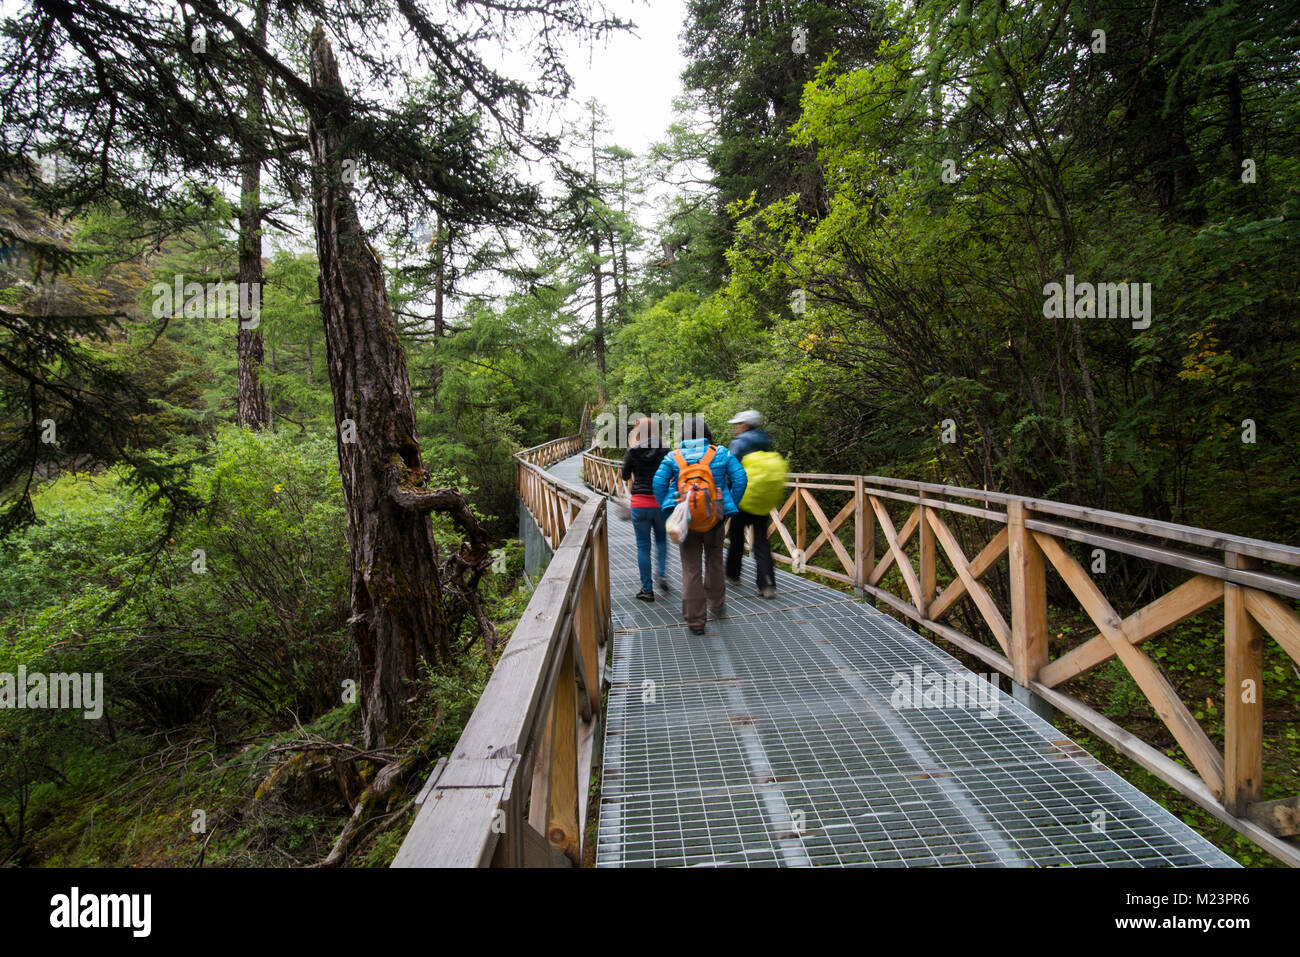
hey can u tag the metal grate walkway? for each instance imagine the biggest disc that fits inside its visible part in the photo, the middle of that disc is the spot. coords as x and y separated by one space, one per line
773 740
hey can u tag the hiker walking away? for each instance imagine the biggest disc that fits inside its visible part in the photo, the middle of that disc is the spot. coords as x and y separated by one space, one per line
644 453
750 438
709 481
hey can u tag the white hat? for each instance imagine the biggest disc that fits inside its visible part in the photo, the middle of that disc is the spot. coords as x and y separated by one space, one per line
749 417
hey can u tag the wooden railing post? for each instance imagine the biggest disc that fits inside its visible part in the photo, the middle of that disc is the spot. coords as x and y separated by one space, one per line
863 530
928 578
587 628
553 806
600 562
1243 695
800 528
1028 608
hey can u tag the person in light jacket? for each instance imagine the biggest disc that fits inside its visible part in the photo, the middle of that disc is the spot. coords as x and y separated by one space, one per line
703 584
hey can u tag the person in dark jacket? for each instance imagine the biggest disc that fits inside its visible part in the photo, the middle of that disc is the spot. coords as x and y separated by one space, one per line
750 438
645 452
702 574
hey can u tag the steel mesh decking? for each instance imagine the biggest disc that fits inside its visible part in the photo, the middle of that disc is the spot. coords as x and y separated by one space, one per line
772 740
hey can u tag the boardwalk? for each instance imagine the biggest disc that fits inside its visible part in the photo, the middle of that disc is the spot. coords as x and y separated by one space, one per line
772 740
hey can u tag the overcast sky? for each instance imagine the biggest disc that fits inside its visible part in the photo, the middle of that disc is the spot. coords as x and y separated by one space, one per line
635 75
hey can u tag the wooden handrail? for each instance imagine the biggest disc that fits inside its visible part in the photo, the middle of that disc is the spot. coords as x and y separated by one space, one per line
1033 537
513 791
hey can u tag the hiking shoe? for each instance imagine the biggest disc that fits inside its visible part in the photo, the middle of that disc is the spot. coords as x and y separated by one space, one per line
767 591
645 595
697 629
663 584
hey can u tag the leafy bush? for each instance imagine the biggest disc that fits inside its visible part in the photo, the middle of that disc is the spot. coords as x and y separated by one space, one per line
244 608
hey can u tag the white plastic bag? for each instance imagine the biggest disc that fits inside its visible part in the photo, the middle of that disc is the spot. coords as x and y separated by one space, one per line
679 523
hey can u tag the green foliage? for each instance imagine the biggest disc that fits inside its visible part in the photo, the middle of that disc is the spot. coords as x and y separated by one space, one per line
680 355
506 382
260 628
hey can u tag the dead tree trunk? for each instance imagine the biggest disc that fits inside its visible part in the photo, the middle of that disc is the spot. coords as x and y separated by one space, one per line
399 616
250 399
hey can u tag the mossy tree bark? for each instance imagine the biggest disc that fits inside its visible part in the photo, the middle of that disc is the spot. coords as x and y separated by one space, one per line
250 403
399 616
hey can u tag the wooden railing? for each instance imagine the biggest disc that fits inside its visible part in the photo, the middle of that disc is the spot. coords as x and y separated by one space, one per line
529 728
844 518
513 792
604 474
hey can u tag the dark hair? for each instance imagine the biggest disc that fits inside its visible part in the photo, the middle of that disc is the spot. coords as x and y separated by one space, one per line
695 427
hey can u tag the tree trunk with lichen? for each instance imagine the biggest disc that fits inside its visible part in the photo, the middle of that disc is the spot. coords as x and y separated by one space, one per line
250 400
398 614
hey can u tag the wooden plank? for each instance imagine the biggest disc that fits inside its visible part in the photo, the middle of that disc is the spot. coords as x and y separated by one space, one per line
1185 534
802 481
1164 699
862 552
453 829
979 495
589 741
474 773
1278 620
983 600
563 829
928 565
828 532
587 627
789 504
429 784
1190 598
815 570
834 527
895 549
909 526
1264 581
601 546
543 753
510 841
1243 696
508 709
538 852
985 560
800 527
940 504
820 477
1028 651
1280 817
778 526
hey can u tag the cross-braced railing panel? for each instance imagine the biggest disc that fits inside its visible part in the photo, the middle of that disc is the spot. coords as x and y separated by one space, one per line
929 551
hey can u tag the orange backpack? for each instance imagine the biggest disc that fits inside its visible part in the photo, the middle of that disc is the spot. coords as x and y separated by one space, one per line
695 487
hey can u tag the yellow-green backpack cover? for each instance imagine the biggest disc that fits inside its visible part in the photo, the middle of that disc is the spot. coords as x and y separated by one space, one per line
765 490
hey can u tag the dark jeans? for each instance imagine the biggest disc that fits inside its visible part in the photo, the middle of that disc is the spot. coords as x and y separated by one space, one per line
645 521
762 547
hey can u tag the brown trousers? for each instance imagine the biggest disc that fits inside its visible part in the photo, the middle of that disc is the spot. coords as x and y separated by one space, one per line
710 588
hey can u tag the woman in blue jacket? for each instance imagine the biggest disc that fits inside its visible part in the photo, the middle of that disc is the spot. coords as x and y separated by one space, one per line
703 582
